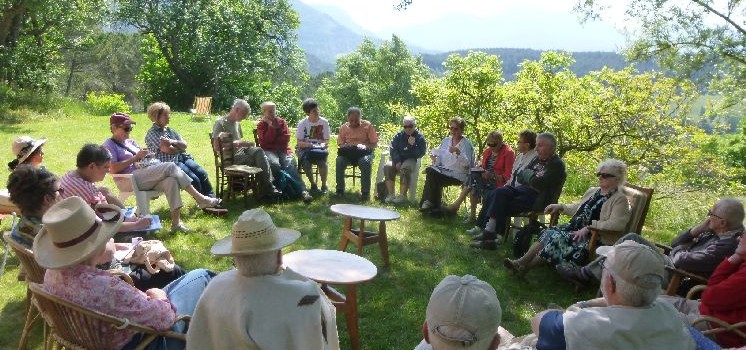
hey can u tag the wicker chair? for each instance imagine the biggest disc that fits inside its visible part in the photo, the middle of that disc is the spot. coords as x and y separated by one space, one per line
33 273
76 327
716 325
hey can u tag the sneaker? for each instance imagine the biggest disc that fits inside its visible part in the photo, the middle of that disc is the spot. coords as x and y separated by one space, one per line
398 199
324 189
426 205
573 274
487 244
514 266
474 231
389 199
307 197
482 235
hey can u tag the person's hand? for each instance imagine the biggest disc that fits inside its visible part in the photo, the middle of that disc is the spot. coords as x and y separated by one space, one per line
454 149
410 140
553 209
361 146
142 223
701 227
141 154
156 293
122 246
579 235
164 141
397 166
104 190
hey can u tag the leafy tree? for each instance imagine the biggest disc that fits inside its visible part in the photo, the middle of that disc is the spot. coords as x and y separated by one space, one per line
376 79
700 39
221 48
470 89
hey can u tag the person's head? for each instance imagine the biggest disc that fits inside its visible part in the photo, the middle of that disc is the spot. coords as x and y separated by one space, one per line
456 126
633 274
311 108
354 114
240 110
463 313
269 109
546 145
33 190
495 140
408 124
726 215
93 162
611 173
26 150
73 233
159 113
121 125
255 243
526 141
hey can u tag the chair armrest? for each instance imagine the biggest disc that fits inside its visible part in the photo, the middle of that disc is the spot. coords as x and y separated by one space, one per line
596 237
554 219
666 249
696 291
677 275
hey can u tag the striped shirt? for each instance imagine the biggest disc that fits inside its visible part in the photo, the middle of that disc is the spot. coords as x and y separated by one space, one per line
75 185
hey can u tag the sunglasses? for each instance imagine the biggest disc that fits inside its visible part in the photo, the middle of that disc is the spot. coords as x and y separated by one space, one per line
455 128
127 128
407 126
60 190
492 144
710 213
605 175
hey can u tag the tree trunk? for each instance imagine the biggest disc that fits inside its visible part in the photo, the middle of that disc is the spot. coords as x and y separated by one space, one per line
10 23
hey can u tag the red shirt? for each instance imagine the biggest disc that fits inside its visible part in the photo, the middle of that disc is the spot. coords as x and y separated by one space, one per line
274 137
503 164
724 299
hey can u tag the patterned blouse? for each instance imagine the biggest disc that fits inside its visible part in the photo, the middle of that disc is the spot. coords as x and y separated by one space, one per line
99 290
588 211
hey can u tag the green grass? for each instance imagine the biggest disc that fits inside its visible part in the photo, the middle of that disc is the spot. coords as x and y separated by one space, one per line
392 305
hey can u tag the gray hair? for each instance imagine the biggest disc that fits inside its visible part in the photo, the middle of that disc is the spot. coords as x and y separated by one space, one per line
548 136
732 211
408 120
266 104
632 295
258 264
239 103
615 167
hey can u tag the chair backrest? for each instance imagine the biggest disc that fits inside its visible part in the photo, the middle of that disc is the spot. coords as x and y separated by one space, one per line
202 105
256 138
75 326
639 200
34 272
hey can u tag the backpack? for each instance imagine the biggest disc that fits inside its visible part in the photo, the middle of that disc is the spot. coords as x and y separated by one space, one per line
522 240
290 187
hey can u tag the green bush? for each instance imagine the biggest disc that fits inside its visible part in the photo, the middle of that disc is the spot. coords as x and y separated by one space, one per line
101 103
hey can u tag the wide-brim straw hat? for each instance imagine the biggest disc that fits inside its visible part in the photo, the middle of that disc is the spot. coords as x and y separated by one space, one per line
254 233
72 232
24 146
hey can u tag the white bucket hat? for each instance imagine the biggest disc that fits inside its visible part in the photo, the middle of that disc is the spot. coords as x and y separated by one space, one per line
73 231
24 146
254 233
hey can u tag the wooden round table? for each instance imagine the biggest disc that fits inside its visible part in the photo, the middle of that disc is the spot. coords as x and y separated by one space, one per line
335 267
360 237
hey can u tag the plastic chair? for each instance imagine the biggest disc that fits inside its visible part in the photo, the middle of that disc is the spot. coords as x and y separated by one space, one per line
128 186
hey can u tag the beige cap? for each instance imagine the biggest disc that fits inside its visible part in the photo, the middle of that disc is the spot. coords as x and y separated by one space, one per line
464 312
632 261
254 233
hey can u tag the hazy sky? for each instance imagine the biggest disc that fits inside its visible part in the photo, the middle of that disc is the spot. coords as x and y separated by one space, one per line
449 24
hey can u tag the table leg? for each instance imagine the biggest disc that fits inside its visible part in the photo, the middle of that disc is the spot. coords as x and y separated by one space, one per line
361 235
383 242
351 317
347 226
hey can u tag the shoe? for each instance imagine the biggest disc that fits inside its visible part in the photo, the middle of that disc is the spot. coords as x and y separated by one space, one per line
574 275
398 199
487 244
481 236
274 192
364 197
180 228
307 197
426 206
314 188
209 203
389 199
324 189
474 231
514 266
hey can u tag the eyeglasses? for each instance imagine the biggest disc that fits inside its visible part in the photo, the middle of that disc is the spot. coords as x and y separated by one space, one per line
407 126
493 144
605 175
455 128
127 128
60 190
710 213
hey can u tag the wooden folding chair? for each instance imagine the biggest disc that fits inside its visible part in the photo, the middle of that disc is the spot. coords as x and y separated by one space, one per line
231 177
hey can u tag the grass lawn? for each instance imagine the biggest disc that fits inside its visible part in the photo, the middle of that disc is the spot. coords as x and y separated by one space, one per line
392 305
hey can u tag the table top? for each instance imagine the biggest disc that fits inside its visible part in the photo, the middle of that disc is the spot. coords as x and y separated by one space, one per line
330 266
363 212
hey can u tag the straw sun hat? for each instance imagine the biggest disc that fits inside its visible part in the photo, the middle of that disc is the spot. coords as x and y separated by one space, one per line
73 232
254 233
24 146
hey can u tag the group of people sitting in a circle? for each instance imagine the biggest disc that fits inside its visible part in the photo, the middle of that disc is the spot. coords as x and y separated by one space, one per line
70 224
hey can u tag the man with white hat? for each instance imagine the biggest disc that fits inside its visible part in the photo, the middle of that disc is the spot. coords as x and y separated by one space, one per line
260 305
463 313
627 317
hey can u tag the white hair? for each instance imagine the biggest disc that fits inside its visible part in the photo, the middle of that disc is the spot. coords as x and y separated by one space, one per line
257 264
266 104
408 120
633 295
615 167
239 103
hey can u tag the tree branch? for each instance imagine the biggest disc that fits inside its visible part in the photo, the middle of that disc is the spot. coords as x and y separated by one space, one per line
724 17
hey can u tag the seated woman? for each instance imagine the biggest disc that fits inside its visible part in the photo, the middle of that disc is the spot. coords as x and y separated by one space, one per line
168 146
27 151
495 169
312 135
70 243
451 163
605 207
128 158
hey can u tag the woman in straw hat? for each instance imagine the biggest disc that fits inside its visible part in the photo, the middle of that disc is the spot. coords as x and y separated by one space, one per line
73 238
27 151
271 307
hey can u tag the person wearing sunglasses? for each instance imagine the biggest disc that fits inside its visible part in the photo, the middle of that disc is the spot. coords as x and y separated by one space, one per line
407 146
605 207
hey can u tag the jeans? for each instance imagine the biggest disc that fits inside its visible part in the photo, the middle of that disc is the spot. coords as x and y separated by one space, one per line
183 294
507 201
364 163
199 177
284 161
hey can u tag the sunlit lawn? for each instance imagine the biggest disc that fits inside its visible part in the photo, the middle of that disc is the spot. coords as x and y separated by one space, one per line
392 306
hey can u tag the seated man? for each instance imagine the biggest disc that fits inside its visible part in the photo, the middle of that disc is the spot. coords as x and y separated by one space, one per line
627 317
539 177
313 137
722 299
260 305
463 313
226 138
274 138
697 250
407 146
357 141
